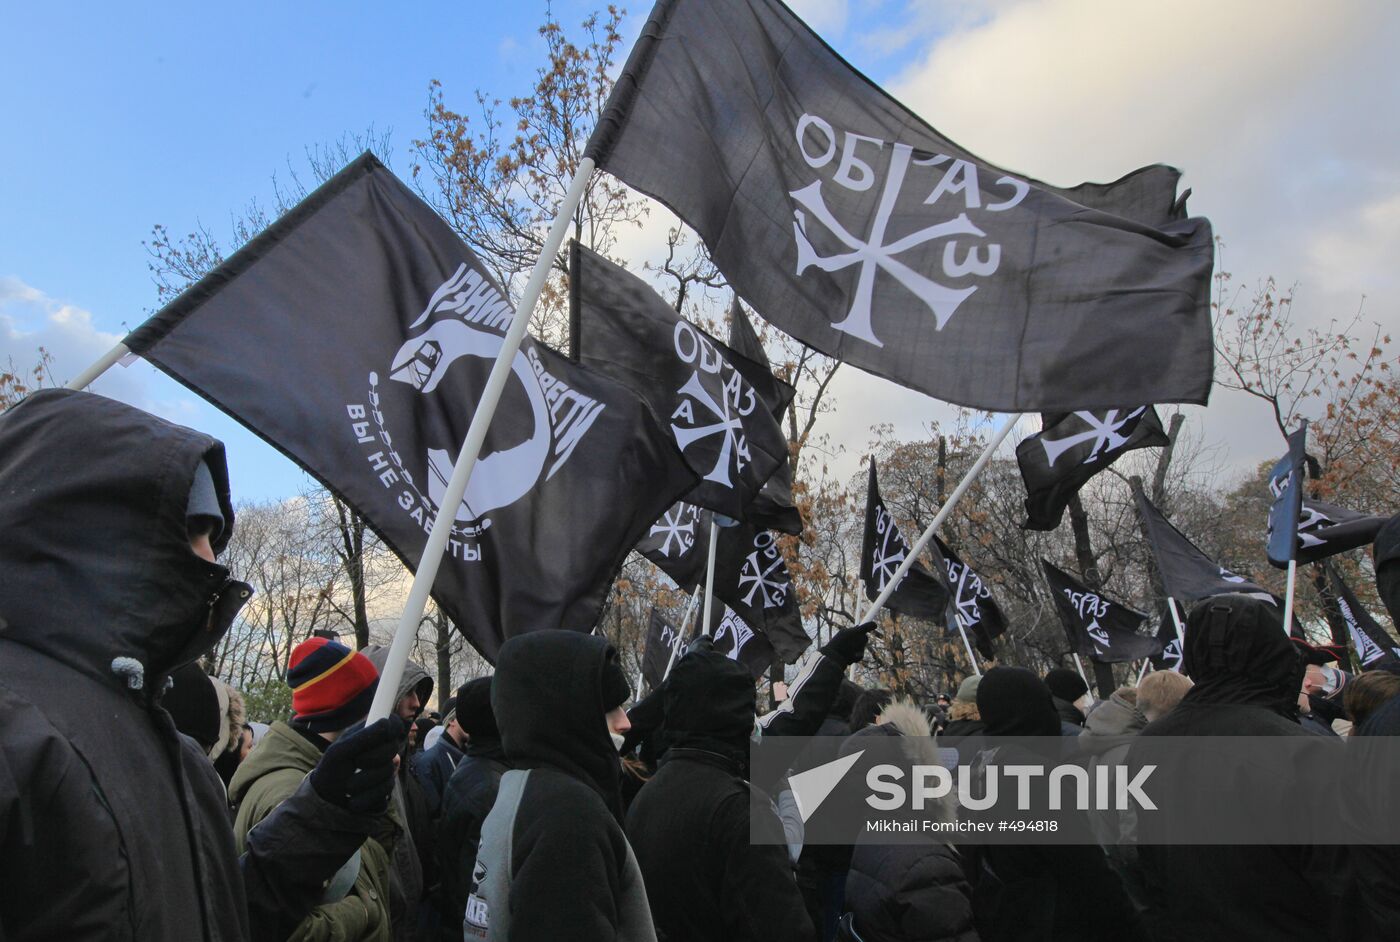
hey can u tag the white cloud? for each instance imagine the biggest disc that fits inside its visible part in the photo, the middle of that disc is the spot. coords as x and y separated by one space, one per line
825 16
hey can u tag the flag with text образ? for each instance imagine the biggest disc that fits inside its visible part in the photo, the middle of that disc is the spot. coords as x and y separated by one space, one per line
920 593
695 385
774 508
663 640
857 228
356 335
1286 488
1374 647
973 609
1189 574
1098 627
1071 448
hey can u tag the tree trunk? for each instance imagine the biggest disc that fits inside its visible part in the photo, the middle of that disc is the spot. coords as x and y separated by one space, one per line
1164 460
442 646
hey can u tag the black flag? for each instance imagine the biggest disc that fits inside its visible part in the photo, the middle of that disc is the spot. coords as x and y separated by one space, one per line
1098 627
695 385
854 226
1071 448
1326 530
662 639
1374 647
1286 486
677 544
1170 643
752 578
355 335
1188 574
976 611
736 640
774 508
920 593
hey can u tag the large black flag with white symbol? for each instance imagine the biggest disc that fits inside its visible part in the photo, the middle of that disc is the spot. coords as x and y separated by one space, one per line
1098 627
356 335
1170 643
1326 530
678 542
1375 649
736 640
920 593
1071 448
662 639
694 384
751 577
1189 574
774 508
854 226
973 609
1286 487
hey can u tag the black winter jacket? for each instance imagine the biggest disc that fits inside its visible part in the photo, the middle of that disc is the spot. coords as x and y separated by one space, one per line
909 893
466 801
113 825
432 768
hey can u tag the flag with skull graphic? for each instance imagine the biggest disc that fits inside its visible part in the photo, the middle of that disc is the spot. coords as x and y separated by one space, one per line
1189 574
355 335
1375 649
974 610
1098 627
859 229
1071 448
920 592
1286 487
695 385
737 641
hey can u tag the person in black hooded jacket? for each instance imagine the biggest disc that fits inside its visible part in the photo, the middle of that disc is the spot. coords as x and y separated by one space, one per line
706 879
1041 891
1247 676
110 521
467 799
553 864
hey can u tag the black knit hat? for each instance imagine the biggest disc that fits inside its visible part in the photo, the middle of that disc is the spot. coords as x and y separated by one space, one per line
193 704
1066 684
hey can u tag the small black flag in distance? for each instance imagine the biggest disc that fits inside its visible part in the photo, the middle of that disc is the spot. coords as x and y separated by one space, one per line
694 384
752 578
1098 627
662 638
920 593
1286 487
1375 649
973 607
1326 530
356 335
848 222
1189 574
1071 448
677 543
1170 643
736 640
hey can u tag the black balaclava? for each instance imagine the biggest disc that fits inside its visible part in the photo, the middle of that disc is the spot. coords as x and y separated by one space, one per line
1237 652
1015 702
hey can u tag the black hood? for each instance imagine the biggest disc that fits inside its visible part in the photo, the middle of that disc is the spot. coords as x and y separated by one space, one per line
95 558
709 703
1015 702
474 715
547 694
1237 652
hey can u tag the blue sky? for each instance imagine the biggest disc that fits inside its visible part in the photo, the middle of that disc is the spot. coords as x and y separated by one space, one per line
117 119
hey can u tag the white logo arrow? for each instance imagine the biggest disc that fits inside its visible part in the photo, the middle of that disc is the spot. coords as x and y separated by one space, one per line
810 788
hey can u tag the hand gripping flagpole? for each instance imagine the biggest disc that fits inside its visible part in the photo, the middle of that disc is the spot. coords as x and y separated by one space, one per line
927 536
423 579
86 377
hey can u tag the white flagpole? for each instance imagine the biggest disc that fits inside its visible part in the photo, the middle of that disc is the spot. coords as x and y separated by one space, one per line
709 575
927 536
1143 673
680 641
423 579
1082 676
1288 598
968 644
1176 620
85 378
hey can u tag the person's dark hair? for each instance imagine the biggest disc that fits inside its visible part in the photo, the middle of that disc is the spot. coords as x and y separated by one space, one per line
869 705
1368 693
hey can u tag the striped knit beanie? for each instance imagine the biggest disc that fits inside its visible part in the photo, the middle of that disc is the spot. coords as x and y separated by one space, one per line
332 686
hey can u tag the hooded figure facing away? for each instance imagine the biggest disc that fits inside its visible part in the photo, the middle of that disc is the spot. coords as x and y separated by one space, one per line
1247 675
467 799
553 864
119 829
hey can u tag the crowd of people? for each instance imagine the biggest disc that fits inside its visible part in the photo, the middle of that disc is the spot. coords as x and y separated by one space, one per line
547 802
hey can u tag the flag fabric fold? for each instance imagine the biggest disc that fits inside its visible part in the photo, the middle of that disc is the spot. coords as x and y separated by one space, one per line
854 226
1375 649
1286 486
1071 448
1170 658
355 335
973 608
1325 530
774 508
920 593
1189 574
1098 627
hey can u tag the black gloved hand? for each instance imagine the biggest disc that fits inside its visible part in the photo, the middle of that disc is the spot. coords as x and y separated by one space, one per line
357 770
848 646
